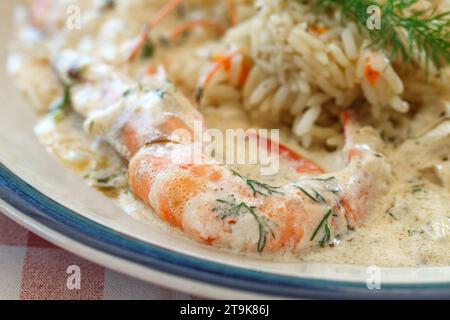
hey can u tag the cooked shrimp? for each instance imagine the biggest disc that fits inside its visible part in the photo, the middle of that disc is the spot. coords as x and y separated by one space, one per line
214 206
153 127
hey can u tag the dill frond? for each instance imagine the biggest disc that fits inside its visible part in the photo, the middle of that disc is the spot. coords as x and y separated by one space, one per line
419 35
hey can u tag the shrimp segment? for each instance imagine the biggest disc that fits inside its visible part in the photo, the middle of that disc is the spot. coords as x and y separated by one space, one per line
152 126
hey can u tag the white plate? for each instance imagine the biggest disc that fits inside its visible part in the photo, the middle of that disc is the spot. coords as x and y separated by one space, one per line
43 196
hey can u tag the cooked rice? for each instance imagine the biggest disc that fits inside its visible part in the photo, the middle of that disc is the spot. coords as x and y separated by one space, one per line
306 66
302 77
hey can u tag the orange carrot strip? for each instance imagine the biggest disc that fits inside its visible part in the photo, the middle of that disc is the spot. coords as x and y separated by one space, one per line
139 44
175 33
371 75
352 153
222 62
245 70
160 15
150 70
318 29
351 215
164 12
233 13
245 67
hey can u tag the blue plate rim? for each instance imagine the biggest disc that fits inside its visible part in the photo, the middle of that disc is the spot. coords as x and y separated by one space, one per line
42 209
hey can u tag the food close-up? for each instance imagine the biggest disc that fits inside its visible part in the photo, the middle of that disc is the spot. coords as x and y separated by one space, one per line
282 132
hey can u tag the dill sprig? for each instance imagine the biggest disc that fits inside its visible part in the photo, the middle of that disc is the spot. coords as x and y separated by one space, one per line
412 34
148 50
257 187
313 195
61 105
323 179
233 209
326 229
332 187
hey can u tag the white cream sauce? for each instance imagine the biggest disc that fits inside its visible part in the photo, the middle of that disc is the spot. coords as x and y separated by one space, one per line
409 227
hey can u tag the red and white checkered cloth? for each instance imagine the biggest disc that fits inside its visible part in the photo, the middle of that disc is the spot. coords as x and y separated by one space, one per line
32 268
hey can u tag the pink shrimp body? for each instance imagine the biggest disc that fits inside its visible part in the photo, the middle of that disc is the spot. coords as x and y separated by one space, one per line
206 200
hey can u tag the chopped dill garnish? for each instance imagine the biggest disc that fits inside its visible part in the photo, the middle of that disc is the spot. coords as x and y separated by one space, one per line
149 49
91 126
61 105
413 232
417 188
199 94
115 180
330 188
160 93
227 209
333 189
323 179
104 180
65 100
313 194
392 215
258 187
404 31
326 230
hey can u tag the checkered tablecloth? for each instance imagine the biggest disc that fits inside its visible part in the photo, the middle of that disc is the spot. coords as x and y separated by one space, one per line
32 268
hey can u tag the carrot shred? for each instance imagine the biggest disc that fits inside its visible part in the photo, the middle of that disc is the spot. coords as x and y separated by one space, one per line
220 62
318 29
179 30
233 12
164 12
223 61
139 44
354 153
245 70
160 15
150 70
371 75
350 213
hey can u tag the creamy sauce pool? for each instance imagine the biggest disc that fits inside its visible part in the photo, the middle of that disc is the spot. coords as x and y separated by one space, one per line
409 226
